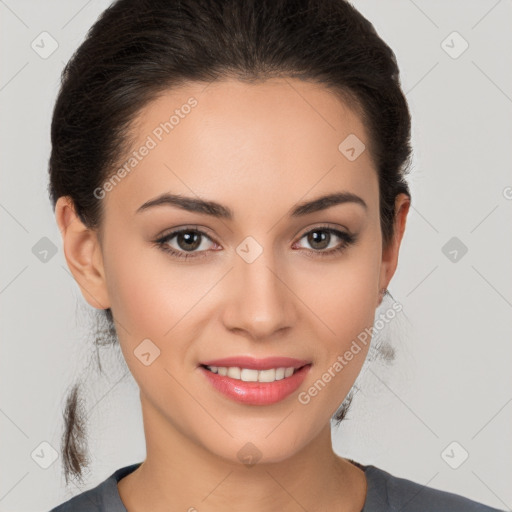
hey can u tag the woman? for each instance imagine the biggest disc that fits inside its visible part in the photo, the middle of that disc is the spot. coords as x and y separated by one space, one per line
229 182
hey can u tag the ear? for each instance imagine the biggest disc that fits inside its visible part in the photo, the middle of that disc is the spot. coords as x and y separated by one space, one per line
390 253
83 254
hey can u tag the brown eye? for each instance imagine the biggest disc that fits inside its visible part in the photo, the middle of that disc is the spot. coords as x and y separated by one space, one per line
188 240
320 239
186 243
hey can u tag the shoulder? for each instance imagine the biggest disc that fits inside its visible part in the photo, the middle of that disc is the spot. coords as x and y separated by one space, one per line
102 498
387 492
87 501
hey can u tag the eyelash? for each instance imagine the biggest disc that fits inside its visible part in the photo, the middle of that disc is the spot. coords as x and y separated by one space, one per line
347 240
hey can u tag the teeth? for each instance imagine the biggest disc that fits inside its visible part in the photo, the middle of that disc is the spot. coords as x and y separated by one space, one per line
250 375
234 372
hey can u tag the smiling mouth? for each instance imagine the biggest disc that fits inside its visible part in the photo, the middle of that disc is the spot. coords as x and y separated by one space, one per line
253 375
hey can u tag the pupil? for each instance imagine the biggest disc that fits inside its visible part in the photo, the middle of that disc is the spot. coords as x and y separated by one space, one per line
190 238
318 237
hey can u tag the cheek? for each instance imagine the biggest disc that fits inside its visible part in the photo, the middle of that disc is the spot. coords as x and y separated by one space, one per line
150 300
149 293
343 301
157 299
343 295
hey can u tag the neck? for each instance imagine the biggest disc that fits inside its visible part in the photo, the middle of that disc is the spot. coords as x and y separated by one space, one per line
179 474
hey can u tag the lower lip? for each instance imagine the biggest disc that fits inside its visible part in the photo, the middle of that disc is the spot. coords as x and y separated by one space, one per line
256 393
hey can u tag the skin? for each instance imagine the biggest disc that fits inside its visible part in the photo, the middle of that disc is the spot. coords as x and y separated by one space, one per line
258 149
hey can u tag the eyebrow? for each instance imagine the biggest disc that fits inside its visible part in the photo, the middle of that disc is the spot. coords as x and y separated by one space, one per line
220 211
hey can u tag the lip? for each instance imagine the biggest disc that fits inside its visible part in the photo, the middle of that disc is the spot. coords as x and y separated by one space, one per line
257 364
256 393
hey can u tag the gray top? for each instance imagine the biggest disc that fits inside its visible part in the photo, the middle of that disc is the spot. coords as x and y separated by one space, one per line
385 493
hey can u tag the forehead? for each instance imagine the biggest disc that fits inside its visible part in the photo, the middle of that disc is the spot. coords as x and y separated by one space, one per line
246 145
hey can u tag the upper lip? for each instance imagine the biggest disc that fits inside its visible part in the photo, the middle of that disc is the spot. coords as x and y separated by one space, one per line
257 364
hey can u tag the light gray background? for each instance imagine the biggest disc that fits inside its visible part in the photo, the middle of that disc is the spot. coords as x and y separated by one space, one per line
451 380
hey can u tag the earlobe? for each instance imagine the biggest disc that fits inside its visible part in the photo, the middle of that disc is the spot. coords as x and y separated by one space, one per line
390 253
82 251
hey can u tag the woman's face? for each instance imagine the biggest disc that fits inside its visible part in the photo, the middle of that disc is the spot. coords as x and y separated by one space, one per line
263 282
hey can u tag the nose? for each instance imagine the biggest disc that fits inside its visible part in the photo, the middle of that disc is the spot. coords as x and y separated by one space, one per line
260 301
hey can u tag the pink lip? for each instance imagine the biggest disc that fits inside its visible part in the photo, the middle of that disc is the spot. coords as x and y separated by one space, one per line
256 393
257 364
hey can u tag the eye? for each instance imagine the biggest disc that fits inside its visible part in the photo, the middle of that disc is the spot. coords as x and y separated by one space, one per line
187 243
190 242
320 239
